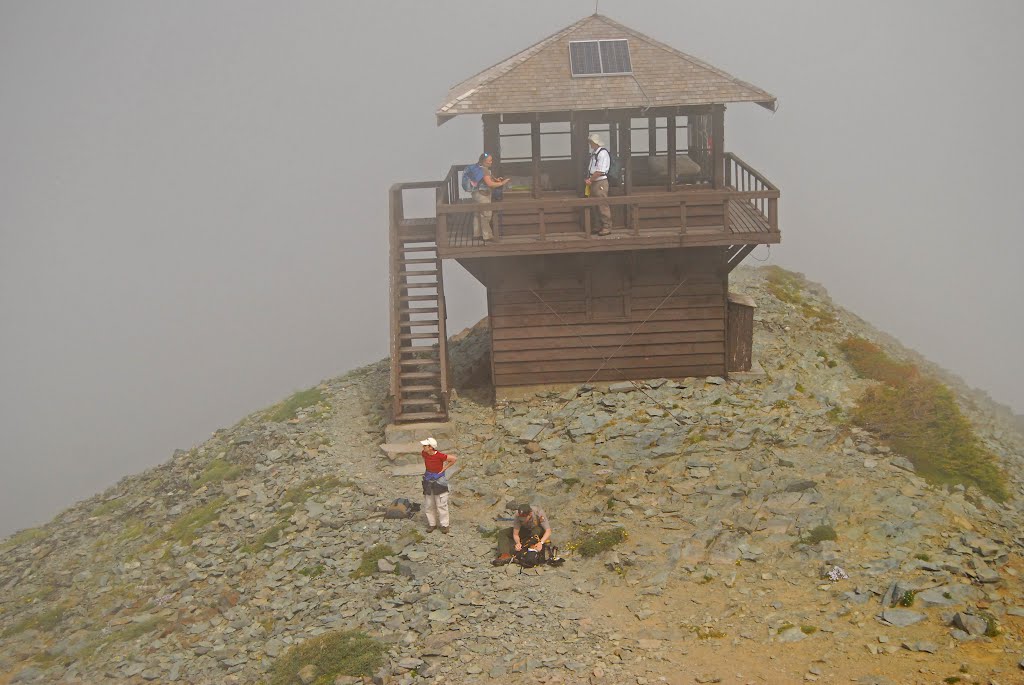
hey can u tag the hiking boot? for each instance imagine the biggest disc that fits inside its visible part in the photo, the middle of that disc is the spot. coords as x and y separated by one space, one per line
431 529
501 560
605 231
444 529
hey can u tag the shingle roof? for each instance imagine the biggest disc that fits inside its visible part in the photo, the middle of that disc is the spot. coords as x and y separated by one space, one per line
538 78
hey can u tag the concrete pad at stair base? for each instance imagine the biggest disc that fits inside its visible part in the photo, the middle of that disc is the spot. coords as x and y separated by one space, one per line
401 452
756 373
396 433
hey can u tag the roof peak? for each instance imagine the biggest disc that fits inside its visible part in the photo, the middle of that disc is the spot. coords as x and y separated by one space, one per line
538 78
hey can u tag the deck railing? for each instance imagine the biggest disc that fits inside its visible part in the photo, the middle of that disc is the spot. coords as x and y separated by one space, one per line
685 210
743 178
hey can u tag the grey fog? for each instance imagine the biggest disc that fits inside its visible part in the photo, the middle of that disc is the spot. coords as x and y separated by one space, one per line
193 196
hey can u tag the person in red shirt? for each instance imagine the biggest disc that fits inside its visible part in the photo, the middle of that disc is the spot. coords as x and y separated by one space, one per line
435 485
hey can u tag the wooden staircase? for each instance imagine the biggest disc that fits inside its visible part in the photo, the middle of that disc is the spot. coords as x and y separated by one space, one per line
419 351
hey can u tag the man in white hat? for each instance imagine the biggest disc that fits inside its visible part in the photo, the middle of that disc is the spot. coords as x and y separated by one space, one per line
597 179
435 485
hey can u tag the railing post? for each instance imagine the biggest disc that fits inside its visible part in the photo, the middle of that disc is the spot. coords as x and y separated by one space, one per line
773 213
543 226
682 216
586 221
725 215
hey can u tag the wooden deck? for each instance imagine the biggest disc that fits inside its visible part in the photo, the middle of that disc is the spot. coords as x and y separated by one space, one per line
744 211
745 225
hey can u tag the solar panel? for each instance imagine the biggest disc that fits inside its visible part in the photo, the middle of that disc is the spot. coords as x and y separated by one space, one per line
596 57
585 58
615 57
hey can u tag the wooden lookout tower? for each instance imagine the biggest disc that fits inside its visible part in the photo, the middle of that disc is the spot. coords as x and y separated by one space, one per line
565 305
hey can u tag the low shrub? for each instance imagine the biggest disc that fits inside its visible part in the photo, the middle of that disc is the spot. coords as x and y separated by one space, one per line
870 361
343 652
303 491
819 534
591 545
785 285
185 528
919 417
44 621
218 470
368 566
289 409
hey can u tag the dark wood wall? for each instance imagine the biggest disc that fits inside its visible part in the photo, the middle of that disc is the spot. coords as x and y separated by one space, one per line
554 318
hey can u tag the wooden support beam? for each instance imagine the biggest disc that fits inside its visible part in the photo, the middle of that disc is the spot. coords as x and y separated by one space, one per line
492 140
671 137
718 145
626 158
535 156
738 256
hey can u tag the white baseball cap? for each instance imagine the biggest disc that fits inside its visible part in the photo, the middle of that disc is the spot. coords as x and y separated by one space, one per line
429 441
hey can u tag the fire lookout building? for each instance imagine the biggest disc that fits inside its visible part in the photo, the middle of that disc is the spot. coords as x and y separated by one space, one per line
649 300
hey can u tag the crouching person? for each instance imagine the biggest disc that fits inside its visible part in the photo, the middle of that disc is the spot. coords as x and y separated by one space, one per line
530 529
435 485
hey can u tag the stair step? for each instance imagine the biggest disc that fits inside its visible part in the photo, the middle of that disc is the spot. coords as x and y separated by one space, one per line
419 348
432 402
419 260
418 298
418 362
418 310
418 375
424 272
419 388
420 322
421 416
418 336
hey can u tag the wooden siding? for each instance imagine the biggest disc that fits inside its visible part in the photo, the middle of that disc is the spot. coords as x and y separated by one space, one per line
606 316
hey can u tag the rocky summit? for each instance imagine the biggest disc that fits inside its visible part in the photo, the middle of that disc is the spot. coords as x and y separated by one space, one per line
764 535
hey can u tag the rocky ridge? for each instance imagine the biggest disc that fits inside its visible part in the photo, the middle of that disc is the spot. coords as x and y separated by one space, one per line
739 499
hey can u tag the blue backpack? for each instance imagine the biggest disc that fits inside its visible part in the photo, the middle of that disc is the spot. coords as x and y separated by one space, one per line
472 176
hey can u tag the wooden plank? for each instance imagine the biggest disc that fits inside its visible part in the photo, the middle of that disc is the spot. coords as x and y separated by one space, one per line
565 307
618 362
639 315
629 351
585 341
675 371
627 327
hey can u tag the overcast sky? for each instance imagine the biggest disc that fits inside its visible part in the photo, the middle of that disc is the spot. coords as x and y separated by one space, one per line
193 194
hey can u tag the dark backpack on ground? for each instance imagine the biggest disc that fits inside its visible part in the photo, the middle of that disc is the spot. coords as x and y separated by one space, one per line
401 508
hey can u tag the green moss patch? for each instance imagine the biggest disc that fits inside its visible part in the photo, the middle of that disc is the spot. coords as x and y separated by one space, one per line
22 537
44 621
185 528
870 361
919 417
289 409
218 470
272 534
368 566
601 541
819 534
350 653
785 285
303 491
